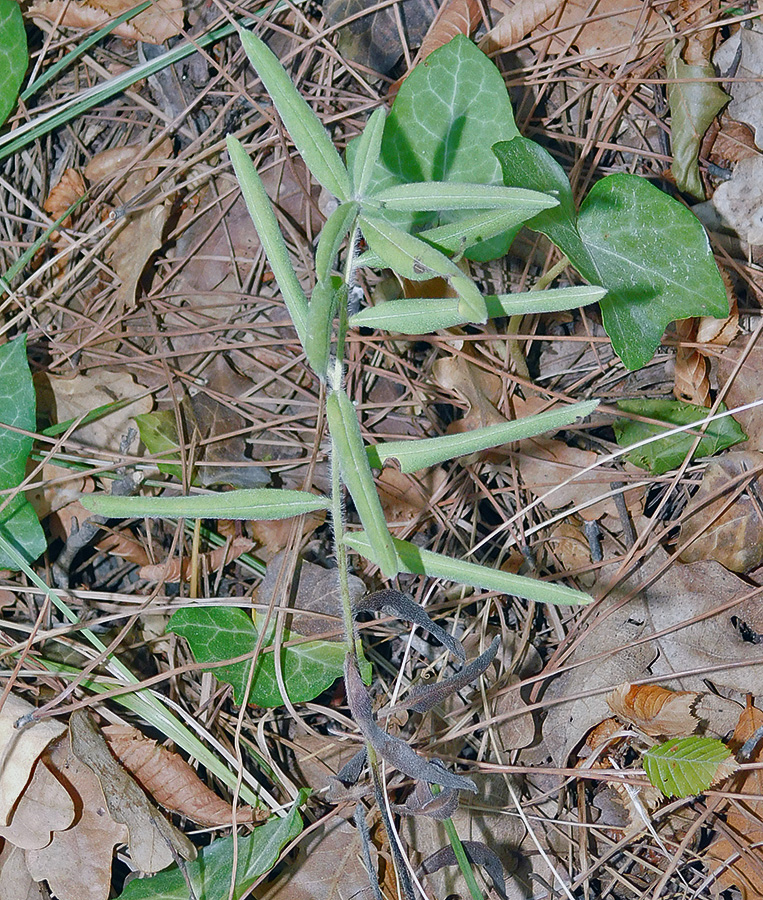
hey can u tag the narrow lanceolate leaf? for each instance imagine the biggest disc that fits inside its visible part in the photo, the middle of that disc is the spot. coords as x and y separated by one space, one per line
415 561
335 230
261 210
405 253
320 317
415 455
305 128
431 314
258 503
475 228
367 152
356 473
444 195
686 766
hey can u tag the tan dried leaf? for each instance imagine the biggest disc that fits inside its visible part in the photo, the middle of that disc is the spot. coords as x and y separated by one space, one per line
745 870
176 570
522 19
44 807
405 498
721 331
77 862
20 750
69 189
150 835
48 498
654 709
571 550
612 35
691 380
125 545
729 528
171 780
161 21
15 881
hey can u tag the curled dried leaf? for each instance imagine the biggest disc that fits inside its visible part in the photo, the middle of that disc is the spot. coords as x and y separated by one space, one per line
657 711
352 770
423 802
394 750
427 696
403 606
477 853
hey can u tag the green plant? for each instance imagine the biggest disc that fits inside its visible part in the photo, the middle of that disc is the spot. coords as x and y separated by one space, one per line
385 197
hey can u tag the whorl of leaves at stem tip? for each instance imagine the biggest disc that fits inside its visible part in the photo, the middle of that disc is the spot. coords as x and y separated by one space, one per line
426 696
391 749
402 606
478 854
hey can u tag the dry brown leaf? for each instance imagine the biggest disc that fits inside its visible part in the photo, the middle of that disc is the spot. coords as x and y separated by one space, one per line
738 201
161 21
273 536
62 399
171 780
44 807
15 881
734 141
610 33
745 388
571 550
522 19
691 380
47 498
657 711
746 872
744 51
20 750
151 836
175 570
77 862
125 545
453 17
69 189
733 536
405 498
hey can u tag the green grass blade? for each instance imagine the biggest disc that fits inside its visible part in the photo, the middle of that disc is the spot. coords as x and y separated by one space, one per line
419 454
253 504
261 210
415 561
305 128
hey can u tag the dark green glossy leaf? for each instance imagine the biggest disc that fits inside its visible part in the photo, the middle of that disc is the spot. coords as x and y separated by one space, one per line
13 55
668 453
217 633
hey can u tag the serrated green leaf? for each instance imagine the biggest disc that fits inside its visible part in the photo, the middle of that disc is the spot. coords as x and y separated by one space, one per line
666 454
356 474
367 150
217 633
254 504
419 454
695 99
304 127
683 767
211 872
654 258
429 314
449 195
14 57
415 561
265 222
18 521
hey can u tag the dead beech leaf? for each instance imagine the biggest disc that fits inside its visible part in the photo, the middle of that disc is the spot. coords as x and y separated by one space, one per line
150 835
176 570
171 780
405 498
572 551
44 807
691 381
161 21
744 821
77 862
273 536
733 536
62 399
721 332
20 750
519 21
613 34
657 711
70 187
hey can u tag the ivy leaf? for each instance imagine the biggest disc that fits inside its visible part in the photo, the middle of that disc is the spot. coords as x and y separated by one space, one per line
18 521
211 872
14 56
661 456
653 257
217 633
682 767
